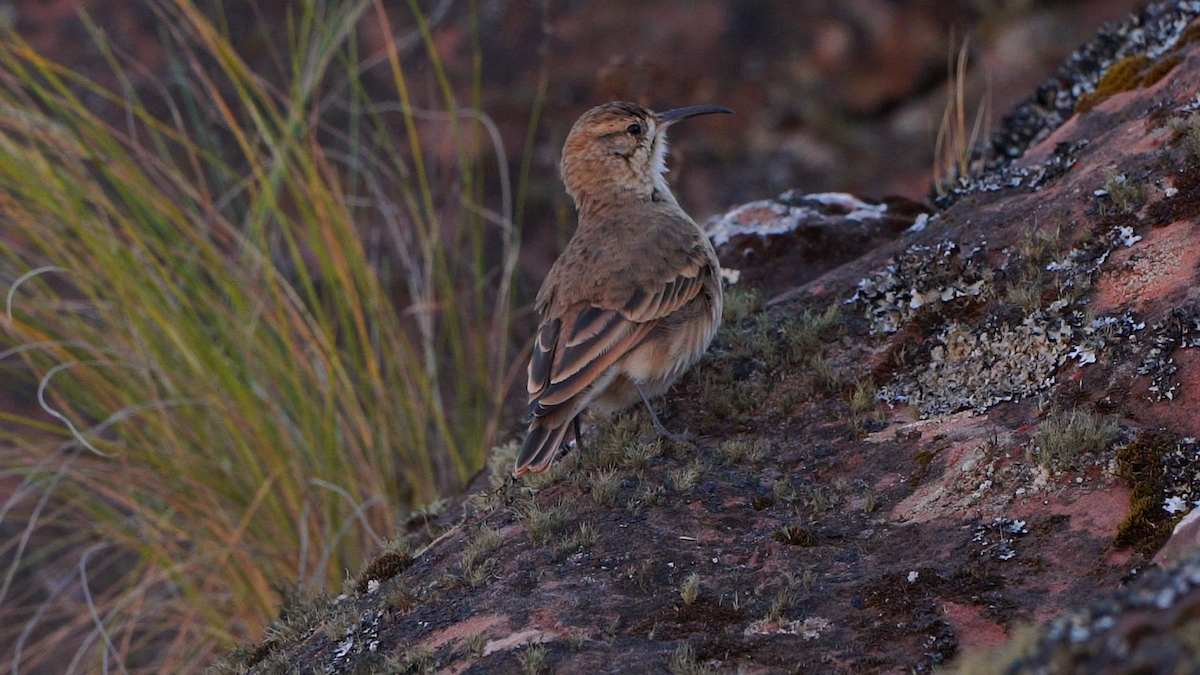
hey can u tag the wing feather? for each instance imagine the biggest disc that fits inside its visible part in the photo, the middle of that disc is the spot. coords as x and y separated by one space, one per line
566 362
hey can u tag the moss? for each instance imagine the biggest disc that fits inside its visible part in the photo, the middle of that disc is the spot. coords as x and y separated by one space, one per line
1185 204
387 565
1188 36
925 458
1159 69
795 536
1123 75
299 614
762 502
1148 525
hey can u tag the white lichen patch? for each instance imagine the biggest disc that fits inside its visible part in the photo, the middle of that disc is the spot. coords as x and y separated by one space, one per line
921 277
361 638
996 539
975 369
975 365
1179 330
1181 477
807 629
791 210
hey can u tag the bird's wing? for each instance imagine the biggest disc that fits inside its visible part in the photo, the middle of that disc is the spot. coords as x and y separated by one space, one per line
575 345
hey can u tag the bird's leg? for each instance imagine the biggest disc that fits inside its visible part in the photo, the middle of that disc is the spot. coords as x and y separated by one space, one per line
681 439
578 436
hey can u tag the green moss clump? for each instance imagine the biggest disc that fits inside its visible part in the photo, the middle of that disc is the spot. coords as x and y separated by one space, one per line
1160 69
1188 36
795 536
1123 75
1148 525
387 565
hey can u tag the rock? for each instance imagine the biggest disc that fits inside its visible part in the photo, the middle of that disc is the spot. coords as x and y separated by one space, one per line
1184 543
982 419
781 244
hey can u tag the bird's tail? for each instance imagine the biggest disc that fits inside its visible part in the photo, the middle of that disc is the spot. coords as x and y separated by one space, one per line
541 445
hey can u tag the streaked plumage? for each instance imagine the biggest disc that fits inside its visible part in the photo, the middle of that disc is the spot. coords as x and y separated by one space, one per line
635 298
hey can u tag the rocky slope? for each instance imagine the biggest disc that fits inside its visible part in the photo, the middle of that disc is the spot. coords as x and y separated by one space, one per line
920 434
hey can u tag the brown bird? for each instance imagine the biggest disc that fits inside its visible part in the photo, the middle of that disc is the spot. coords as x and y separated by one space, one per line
635 298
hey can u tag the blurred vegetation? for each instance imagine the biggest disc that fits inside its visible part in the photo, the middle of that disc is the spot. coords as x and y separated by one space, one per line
267 315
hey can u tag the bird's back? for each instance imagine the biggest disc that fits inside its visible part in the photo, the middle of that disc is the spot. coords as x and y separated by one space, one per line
596 267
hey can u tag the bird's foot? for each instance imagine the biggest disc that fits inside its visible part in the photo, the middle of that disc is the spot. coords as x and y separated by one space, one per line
684 439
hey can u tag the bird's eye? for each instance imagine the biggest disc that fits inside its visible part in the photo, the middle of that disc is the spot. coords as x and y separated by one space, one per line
634 129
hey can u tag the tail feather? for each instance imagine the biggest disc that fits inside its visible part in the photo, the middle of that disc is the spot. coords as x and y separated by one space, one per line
540 446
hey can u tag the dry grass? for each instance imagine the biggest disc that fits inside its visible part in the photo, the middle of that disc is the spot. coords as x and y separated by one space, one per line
954 144
262 337
1063 440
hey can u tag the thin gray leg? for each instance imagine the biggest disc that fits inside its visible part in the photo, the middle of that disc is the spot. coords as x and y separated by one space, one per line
678 438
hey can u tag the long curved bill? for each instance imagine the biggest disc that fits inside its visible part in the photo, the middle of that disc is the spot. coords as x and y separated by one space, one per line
672 116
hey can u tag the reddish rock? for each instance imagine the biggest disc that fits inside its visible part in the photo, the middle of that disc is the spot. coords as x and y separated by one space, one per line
987 429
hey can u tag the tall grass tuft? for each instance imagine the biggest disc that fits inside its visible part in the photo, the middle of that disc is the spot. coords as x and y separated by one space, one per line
264 317
954 146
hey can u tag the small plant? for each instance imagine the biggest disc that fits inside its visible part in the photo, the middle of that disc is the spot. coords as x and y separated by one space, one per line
1026 293
741 302
1040 245
485 541
685 479
476 644
399 597
737 450
540 524
803 334
1127 194
604 484
954 145
780 604
581 540
1187 131
646 495
608 447
533 659
642 574
824 373
689 590
418 660
641 455
784 491
792 535
683 662
863 398
1061 440
809 579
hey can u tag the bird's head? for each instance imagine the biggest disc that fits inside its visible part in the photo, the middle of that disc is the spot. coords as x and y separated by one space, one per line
618 151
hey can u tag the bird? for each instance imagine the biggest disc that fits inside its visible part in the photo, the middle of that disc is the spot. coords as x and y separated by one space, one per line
635 298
